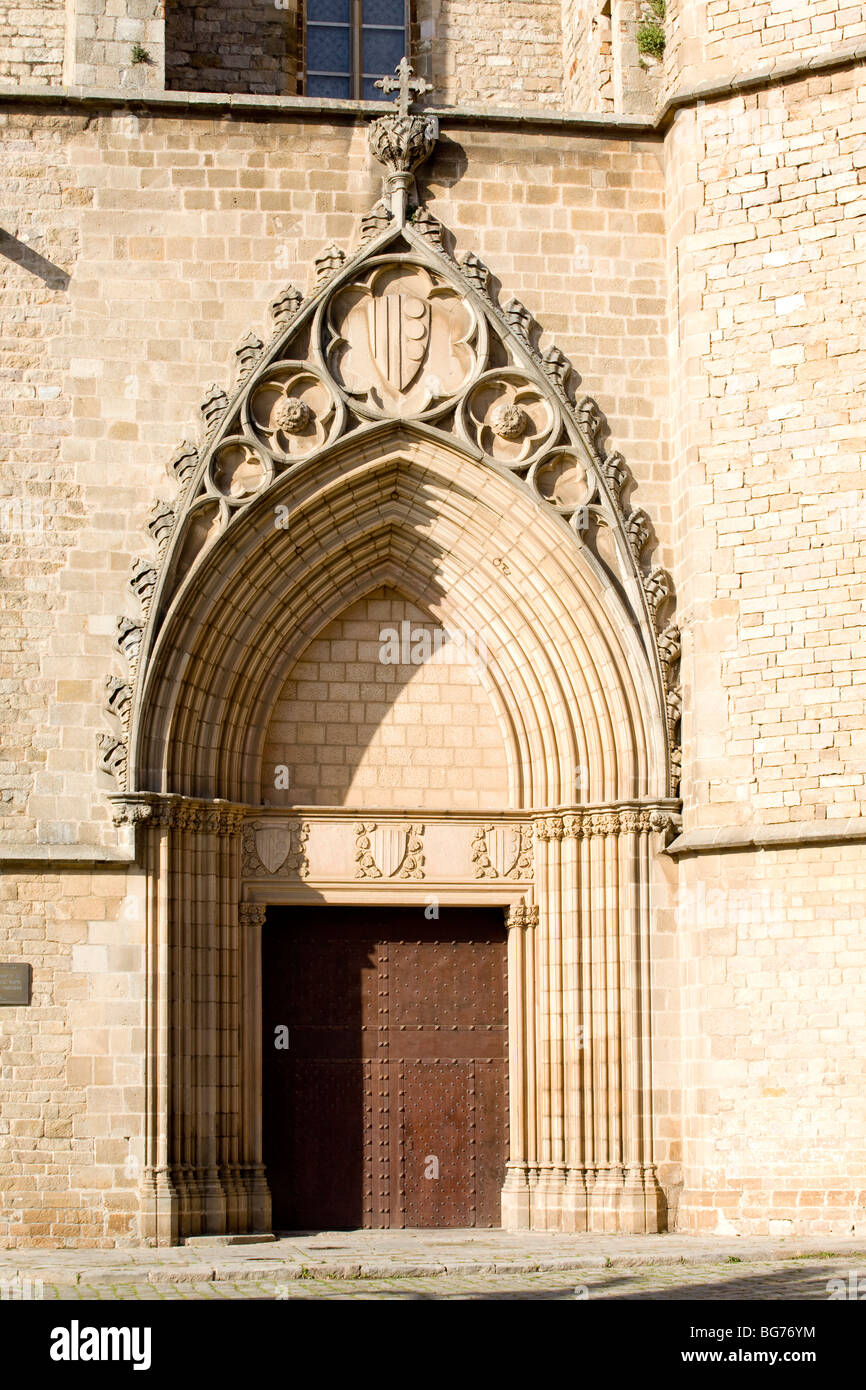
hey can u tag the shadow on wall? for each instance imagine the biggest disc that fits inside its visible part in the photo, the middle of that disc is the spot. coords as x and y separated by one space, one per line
388 704
30 260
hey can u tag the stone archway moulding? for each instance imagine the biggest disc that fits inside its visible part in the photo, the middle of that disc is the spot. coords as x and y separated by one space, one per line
401 428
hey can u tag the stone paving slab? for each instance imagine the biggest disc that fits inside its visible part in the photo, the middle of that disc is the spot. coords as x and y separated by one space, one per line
801 1280
405 1254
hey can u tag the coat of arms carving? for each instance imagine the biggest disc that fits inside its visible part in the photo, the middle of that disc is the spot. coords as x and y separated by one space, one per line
502 851
389 851
401 339
276 846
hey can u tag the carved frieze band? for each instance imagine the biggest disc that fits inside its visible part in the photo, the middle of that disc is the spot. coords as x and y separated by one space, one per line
178 813
389 851
617 821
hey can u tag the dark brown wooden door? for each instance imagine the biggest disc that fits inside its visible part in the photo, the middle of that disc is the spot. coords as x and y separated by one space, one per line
389 1105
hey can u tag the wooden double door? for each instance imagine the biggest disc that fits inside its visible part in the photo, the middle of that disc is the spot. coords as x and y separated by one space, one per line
385 1067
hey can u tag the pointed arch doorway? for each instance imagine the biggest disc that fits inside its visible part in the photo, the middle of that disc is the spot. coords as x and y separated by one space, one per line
401 431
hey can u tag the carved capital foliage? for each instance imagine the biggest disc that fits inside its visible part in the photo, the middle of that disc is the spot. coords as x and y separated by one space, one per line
251 914
600 823
521 916
178 813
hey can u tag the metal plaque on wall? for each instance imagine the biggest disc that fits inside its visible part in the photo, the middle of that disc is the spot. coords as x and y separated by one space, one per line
14 983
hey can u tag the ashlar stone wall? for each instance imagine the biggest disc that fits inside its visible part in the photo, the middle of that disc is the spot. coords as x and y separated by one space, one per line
361 723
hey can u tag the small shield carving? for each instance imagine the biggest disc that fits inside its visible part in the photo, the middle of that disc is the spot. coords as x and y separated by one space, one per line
273 843
399 330
389 845
503 847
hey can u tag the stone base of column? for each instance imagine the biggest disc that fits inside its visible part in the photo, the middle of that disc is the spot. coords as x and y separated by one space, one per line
259 1217
609 1199
516 1198
159 1218
549 1197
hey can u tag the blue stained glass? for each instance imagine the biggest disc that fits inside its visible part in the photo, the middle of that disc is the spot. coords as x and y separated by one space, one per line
370 92
327 49
382 50
334 11
327 86
384 12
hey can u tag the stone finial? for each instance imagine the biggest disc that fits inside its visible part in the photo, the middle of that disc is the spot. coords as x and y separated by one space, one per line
408 87
402 141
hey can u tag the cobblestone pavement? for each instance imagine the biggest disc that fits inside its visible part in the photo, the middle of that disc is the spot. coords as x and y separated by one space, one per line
792 1279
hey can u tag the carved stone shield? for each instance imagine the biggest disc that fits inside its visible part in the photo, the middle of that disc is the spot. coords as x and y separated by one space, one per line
273 843
399 329
503 848
388 846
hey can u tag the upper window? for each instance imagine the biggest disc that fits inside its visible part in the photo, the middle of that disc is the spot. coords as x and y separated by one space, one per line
350 44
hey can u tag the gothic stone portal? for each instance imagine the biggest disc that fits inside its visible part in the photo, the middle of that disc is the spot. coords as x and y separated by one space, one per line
385 1102
400 432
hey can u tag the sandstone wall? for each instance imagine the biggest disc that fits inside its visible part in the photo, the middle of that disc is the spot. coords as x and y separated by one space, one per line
481 51
759 1046
32 40
232 46
352 729
765 201
72 1088
714 40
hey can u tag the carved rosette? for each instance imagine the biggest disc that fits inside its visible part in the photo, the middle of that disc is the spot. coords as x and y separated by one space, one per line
508 417
292 411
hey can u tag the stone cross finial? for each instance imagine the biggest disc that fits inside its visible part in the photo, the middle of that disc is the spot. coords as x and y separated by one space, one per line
408 87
